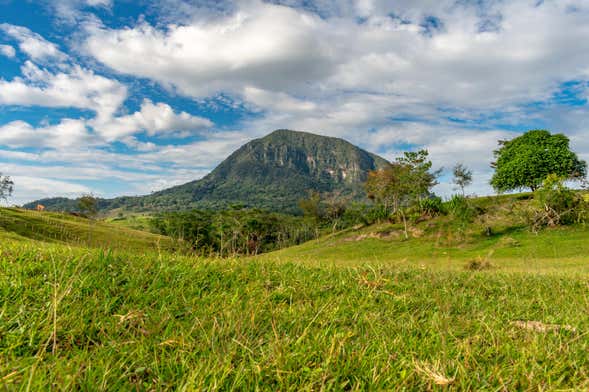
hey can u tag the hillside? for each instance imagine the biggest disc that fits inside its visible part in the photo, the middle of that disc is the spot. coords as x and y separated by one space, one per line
497 238
271 173
60 228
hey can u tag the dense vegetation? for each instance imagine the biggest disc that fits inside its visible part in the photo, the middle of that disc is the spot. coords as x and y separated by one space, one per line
526 161
232 232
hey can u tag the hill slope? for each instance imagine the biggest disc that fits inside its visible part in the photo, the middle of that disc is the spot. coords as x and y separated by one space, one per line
49 227
497 238
273 173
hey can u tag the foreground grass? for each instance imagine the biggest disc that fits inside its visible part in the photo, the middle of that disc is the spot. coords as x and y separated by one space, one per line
97 320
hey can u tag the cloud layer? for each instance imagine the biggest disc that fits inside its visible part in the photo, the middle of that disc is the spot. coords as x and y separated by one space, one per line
451 76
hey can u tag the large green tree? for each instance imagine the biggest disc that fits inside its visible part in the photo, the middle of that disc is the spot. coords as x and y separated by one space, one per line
526 161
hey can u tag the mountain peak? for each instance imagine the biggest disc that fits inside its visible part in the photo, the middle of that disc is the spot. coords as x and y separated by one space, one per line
273 172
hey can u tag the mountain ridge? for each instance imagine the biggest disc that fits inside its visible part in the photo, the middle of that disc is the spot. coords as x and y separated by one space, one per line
272 172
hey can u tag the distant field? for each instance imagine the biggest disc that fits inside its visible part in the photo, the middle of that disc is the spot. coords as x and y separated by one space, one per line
354 311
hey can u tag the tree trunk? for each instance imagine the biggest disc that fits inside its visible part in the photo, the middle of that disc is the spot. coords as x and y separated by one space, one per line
405 225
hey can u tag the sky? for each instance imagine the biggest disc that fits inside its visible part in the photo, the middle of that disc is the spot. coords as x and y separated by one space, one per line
126 97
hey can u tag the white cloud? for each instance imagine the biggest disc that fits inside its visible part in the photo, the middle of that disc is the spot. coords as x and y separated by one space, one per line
267 47
74 11
35 46
67 133
285 50
277 102
77 87
7 50
153 119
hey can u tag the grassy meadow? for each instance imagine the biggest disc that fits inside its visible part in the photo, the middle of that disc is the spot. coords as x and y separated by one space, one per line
97 306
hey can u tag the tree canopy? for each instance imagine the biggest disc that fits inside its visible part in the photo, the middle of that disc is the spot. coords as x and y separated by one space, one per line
526 161
88 205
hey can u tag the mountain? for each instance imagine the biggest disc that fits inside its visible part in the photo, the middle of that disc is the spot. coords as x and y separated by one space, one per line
272 172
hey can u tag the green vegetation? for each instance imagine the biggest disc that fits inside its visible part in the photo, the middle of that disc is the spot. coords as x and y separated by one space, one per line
6 187
410 293
526 161
237 231
361 309
87 205
75 230
402 185
462 177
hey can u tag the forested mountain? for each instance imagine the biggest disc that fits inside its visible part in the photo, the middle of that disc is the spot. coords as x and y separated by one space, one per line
273 172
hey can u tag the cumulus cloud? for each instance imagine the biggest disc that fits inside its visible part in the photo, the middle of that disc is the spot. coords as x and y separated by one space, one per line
267 47
281 49
7 50
153 119
73 86
76 87
35 46
67 133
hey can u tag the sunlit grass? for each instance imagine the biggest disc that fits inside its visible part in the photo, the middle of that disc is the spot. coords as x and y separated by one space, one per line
334 314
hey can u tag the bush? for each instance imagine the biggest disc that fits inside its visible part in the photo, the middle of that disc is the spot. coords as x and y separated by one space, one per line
555 205
432 206
460 208
378 213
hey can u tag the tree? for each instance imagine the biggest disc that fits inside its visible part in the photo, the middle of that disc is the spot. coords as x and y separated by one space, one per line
87 205
421 177
311 206
462 176
402 184
389 186
526 161
6 187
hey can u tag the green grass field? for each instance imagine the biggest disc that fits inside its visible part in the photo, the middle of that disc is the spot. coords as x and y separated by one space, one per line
359 310
50 227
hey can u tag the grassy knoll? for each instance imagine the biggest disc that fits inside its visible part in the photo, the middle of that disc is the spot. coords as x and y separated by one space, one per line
343 313
551 250
73 230
496 236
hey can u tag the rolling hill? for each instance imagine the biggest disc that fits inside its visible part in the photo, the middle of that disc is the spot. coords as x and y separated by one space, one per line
65 229
272 173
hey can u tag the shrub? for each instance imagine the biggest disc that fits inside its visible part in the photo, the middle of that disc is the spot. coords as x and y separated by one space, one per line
460 208
555 205
432 206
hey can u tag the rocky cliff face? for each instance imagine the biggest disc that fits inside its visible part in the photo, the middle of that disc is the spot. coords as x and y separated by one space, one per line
276 171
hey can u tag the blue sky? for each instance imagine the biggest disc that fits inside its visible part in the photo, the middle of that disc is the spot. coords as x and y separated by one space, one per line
121 97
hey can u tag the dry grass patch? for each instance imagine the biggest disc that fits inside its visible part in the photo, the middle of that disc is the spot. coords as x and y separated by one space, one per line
538 326
433 373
